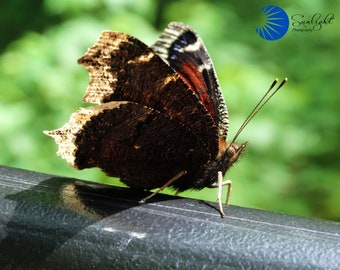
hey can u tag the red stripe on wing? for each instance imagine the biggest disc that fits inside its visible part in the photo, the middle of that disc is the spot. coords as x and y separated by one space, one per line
194 79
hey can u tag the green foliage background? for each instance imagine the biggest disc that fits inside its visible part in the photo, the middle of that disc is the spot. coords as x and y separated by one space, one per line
292 162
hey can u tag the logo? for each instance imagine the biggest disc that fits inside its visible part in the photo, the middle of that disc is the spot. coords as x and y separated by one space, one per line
316 22
275 23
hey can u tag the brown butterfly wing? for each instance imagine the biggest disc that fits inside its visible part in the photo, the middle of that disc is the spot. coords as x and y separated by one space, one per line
122 68
142 146
183 49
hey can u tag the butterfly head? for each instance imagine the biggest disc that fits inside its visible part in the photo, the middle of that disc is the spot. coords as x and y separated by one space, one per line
230 152
234 151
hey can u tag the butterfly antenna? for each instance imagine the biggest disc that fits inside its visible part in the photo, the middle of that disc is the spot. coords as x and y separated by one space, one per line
266 97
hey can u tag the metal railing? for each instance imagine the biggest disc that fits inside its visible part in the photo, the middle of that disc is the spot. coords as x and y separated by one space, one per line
51 222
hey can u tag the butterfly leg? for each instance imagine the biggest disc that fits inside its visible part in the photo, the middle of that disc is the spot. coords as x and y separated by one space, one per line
220 183
173 179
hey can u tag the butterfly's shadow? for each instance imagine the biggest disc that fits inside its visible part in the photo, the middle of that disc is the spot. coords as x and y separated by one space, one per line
107 200
58 209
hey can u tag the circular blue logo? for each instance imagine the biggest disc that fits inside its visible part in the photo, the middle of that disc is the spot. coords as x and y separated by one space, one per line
275 23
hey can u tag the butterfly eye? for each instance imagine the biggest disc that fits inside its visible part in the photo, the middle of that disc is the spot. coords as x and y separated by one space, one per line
234 151
231 150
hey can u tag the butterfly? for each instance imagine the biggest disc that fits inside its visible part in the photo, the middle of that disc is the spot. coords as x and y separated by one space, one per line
161 119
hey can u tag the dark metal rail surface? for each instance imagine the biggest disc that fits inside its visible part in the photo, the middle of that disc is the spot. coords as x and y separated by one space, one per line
51 222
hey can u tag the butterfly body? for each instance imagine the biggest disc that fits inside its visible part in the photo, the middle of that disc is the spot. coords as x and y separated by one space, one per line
160 112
